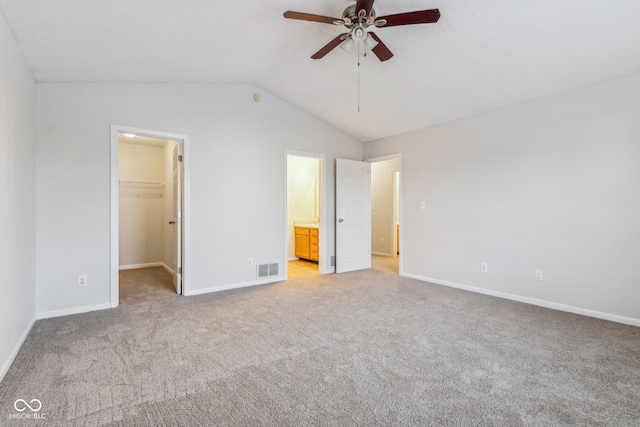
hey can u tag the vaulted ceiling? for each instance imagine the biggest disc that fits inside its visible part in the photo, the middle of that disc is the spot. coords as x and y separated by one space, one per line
481 55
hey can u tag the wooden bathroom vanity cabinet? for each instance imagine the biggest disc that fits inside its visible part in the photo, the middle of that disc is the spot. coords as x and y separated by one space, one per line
307 242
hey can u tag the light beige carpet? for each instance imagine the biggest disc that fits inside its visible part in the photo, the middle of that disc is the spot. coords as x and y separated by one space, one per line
364 348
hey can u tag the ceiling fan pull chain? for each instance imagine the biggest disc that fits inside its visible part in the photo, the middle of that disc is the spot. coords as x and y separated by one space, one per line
358 77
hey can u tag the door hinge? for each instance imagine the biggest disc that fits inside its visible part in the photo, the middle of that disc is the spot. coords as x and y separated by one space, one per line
180 158
179 270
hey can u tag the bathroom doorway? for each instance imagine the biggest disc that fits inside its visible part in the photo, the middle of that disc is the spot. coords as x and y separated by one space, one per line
304 222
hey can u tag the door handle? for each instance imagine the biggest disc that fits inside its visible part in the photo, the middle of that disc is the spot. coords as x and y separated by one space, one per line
172 222
341 220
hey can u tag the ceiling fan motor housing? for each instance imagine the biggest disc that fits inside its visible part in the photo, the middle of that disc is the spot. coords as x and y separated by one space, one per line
351 19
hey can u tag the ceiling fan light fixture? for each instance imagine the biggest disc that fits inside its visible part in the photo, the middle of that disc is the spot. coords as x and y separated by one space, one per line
347 45
359 34
369 42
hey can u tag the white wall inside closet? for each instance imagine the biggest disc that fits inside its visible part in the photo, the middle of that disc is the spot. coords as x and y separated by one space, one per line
145 201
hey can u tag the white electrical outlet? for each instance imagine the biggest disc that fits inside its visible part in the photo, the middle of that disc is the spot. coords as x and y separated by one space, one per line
82 280
539 275
423 205
249 262
382 240
484 267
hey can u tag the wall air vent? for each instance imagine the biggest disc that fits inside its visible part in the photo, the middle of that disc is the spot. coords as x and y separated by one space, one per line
268 270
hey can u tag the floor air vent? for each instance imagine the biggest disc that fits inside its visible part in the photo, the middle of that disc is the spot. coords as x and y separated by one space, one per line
267 270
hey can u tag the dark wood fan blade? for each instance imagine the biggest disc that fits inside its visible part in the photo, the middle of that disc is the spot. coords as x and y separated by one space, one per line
309 17
329 47
366 5
381 50
409 18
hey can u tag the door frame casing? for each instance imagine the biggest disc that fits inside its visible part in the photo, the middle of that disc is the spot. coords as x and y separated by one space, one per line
392 157
115 204
325 258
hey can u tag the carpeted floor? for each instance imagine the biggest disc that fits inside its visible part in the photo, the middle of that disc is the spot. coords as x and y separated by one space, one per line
364 348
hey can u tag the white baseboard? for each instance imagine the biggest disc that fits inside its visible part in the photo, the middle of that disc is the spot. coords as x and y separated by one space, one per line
382 254
70 311
533 301
12 356
150 264
147 265
295 258
235 286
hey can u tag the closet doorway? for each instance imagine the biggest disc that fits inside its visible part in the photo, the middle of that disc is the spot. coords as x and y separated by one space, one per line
385 211
149 226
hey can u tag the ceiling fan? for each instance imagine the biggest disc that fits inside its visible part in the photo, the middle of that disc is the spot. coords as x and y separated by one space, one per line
357 18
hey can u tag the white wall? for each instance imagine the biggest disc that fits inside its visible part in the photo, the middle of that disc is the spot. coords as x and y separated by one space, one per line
383 225
302 194
17 193
236 181
551 184
141 208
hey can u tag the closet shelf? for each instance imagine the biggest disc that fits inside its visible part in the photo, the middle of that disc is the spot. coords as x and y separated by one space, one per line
152 184
142 189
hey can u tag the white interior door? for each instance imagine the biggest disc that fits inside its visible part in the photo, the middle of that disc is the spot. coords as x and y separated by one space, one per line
177 217
353 215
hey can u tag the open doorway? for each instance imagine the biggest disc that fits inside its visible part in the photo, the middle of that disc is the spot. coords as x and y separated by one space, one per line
304 228
361 238
149 224
385 212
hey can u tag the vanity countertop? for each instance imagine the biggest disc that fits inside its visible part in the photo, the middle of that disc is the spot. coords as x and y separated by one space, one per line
305 224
